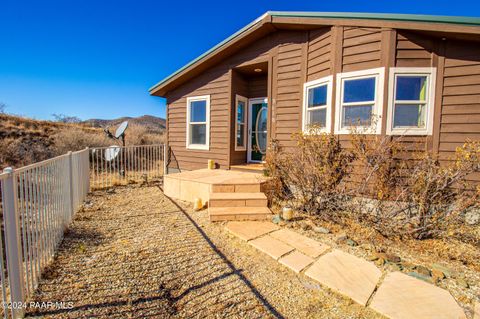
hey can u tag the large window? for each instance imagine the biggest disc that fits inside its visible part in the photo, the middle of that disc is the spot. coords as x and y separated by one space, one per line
317 106
240 123
359 101
411 99
198 122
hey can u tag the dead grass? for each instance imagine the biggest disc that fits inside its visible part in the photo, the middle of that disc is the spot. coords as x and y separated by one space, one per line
24 141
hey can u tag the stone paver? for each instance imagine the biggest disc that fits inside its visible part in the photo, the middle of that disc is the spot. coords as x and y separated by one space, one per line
346 274
296 261
476 311
403 297
304 244
271 246
249 230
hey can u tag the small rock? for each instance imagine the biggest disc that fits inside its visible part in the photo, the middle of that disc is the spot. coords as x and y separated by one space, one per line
380 262
351 242
110 191
408 265
437 275
396 267
446 271
420 276
282 223
276 219
389 257
321 230
462 283
423 270
368 247
341 238
472 217
304 225
372 257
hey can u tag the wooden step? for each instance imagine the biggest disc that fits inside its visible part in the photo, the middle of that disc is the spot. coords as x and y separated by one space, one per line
236 188
239 213
237 200
250 168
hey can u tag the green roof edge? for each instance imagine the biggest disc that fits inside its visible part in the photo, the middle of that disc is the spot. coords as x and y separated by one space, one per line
380 16
473 21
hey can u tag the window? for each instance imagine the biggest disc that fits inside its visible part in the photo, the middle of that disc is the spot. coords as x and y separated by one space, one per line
359 101
240 123
317 104
410 108
198 122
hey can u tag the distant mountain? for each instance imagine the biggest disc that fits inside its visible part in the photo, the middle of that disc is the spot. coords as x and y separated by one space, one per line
151 123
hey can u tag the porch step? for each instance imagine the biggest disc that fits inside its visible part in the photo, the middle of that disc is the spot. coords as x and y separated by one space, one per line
236 187
237 200
239 213
250 168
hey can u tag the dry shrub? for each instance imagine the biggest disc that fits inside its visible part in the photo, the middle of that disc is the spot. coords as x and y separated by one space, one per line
18 152
311 178
140 135
419 197
441 193
75 139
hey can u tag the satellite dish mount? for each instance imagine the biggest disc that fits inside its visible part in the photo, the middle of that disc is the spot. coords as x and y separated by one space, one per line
119 133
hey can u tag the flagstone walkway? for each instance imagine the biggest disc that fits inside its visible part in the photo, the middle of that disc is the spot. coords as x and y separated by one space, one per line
395 295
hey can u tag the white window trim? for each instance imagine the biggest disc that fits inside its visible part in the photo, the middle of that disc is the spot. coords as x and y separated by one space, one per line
205 146
328 80
430 105
239 98
377 110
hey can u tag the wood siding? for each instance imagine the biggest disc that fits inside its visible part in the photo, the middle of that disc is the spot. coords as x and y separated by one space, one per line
288 83
414 50
296 57
460 112
361 48
215 84
319 48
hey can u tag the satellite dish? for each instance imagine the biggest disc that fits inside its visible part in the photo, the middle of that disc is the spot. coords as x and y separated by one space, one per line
112 152
121 129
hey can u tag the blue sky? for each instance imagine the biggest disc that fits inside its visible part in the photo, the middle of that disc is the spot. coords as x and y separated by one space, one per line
97 59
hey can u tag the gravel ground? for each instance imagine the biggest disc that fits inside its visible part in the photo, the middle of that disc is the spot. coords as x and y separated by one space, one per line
133 253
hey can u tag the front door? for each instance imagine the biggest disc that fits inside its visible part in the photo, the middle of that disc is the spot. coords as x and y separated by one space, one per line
257 129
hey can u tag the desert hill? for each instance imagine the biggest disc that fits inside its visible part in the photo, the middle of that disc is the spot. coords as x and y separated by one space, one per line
24 141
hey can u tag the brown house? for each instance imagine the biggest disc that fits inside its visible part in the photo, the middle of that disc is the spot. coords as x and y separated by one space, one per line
417 76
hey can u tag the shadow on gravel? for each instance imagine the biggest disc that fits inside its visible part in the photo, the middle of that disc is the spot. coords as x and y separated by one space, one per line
234 270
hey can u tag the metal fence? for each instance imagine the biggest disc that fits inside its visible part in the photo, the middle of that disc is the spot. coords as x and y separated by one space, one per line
37 203
122 165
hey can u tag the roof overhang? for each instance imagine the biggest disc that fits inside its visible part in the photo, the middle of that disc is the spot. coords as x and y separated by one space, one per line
274 20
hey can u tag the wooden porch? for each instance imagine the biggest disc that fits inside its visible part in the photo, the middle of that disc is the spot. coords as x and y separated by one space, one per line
229 194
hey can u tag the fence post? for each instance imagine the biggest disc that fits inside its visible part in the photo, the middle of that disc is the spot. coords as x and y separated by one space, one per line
87 168
165 155
70 183
13 244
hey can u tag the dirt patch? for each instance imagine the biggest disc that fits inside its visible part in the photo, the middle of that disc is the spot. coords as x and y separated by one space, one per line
136 254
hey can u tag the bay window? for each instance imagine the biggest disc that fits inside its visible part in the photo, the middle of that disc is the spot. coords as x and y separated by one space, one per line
317 100
359 101
411 100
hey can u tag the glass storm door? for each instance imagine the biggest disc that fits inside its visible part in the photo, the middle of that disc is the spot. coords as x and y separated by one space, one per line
257 129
